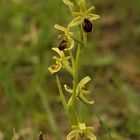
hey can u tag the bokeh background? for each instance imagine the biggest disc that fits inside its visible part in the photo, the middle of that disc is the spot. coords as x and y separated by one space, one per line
29 99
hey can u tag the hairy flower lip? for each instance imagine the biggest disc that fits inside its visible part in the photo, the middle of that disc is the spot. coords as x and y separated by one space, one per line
87 25
63 45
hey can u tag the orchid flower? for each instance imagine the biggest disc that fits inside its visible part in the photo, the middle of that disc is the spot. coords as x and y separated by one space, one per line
67 37
62 60
80 91
81 130
84 17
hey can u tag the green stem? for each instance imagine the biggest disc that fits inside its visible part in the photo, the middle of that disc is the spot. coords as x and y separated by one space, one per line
68 110
77 61
78 41
68 68
61 94
76 65
84 39
72 59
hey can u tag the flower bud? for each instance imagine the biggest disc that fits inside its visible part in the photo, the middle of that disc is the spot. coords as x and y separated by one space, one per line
87 25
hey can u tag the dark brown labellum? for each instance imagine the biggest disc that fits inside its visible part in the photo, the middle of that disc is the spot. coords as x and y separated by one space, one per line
87 25
63 45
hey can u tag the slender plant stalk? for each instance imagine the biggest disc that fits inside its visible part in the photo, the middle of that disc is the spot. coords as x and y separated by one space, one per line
76 74
83 20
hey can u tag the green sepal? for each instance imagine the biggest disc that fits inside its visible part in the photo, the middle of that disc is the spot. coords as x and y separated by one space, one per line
76 21
84 100
82 84
72 134
89 135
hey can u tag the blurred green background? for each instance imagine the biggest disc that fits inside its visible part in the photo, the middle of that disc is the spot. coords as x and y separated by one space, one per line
29 99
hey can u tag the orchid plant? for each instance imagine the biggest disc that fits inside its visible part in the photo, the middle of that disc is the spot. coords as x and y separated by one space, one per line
82 19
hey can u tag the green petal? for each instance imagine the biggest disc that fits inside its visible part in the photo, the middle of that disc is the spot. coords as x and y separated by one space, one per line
75 127
82 5
77 14
90 136
84 100
61 28
90 128
70 4
82 83
66 58
68 89
93 17
90 9
61 53
72 134
83 91
76 21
